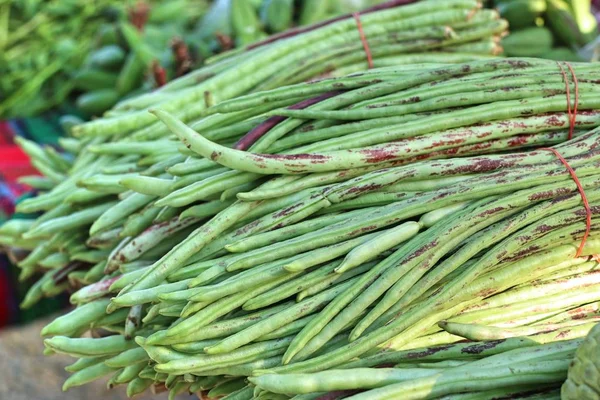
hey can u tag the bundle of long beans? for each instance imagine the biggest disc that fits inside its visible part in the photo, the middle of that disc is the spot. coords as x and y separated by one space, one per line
346 232
423 32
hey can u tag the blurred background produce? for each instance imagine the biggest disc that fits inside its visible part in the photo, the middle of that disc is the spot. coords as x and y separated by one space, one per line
552 29
96 53
54 49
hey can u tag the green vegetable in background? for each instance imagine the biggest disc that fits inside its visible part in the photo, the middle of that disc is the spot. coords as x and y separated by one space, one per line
529 42
216 22
45 47
521 13
586 21
107 34
136 43
131 74
563 24
553 29
107 57
97 101
167 11
92 79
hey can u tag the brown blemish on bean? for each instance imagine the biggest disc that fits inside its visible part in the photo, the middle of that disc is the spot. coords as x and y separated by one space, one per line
478 348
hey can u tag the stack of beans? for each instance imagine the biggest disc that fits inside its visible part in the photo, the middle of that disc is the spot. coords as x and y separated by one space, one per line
328 225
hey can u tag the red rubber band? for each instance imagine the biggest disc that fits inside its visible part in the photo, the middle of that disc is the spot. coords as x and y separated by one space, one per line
363 39
574 115
586 204
572 112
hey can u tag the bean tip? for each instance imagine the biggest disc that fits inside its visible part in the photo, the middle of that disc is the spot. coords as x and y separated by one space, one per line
253 380
141 340
292 267
112 306
46 330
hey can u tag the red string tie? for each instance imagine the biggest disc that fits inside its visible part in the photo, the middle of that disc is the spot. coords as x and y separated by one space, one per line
586 204
572 111
363 39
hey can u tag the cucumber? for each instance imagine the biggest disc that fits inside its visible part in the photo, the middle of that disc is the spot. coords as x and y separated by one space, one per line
108 57
98 101
530 42
563 24
521 13
585 19
93 79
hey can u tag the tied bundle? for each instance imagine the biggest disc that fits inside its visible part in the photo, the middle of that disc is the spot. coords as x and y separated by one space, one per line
423 32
